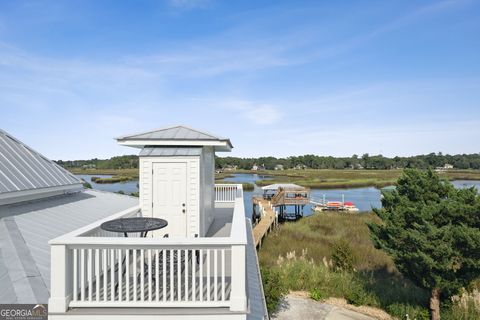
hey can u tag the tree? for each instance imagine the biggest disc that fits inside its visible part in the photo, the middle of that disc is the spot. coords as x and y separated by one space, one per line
431 230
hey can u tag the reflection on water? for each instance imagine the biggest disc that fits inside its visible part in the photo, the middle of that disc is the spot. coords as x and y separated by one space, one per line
364 198
127 187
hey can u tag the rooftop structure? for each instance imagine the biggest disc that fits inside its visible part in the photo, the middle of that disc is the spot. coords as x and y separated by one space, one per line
203 265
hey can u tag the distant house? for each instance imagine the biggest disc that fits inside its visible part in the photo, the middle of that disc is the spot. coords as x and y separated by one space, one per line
300 167
89 166
255 167
279 167
445 167
230 168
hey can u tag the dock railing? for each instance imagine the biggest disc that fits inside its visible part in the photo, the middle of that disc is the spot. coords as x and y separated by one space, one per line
91 268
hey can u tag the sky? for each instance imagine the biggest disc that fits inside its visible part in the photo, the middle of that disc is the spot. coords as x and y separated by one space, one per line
278 78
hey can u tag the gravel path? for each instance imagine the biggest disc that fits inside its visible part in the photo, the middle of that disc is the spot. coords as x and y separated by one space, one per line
301 308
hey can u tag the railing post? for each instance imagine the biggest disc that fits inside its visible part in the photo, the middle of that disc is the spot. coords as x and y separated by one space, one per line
238 296
61 282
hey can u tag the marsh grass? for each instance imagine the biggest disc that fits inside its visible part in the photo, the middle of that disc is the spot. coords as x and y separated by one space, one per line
318 234
330 178
300 255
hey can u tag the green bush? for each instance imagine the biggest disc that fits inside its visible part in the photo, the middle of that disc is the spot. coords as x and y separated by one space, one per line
458 312
400 310
343 258
273 287
317 294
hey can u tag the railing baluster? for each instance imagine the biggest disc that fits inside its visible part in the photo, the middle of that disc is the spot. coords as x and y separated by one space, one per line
104 273
90 274
112 274
127 275
208 275
82 274
134 274
97 274
223 274
75 275
149 274
179 274
119 271
194 275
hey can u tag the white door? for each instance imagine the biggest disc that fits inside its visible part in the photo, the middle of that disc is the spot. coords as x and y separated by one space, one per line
170 196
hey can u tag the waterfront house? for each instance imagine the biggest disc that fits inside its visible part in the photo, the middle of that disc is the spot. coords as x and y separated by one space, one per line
279 167
203 265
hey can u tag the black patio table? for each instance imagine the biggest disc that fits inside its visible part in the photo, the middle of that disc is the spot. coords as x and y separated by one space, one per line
134 225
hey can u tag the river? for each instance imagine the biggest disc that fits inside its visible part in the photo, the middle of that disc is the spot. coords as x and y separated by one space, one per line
364 198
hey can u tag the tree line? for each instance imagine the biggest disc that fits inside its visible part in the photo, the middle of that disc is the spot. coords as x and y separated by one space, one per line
366 161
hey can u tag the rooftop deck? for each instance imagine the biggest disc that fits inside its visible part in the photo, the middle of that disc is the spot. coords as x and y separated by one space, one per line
94 271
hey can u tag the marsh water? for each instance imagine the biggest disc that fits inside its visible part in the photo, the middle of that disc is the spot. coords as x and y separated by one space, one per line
364 198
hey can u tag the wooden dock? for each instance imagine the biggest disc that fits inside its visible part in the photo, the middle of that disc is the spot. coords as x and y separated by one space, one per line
267 222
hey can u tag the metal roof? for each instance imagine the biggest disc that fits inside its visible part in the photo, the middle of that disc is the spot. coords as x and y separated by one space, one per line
22 168
289 186
173 151
26 228
177 136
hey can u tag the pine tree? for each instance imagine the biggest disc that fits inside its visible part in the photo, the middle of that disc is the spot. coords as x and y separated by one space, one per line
432 232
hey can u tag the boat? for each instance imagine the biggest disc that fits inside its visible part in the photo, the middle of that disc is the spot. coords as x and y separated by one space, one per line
320 206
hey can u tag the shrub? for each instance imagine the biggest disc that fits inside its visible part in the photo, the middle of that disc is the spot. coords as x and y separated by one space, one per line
273 288
400 311
342 256
317 294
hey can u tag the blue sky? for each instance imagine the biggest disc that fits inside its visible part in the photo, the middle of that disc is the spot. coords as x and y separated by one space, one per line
278 78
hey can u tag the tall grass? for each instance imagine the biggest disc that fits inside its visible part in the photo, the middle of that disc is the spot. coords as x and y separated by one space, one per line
300 255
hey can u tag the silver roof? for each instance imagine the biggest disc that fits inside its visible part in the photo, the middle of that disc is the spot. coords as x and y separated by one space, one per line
26 228
178 133
22 168
173 151
290 186
173 133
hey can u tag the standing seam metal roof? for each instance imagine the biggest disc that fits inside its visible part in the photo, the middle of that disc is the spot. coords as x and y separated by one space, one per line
26 228
22 168
173 133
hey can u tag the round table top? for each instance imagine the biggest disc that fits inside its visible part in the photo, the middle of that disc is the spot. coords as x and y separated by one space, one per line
137 224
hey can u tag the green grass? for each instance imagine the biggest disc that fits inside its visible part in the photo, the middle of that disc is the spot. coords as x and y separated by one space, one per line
300 255
330 179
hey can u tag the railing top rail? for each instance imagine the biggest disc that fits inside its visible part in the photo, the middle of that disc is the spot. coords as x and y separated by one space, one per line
237 235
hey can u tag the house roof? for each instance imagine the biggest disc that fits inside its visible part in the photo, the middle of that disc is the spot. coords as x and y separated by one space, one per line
175 136
288 186
25 172
26 228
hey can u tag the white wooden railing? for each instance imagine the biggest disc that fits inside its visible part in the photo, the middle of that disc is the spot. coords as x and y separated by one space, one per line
92 269
226 192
